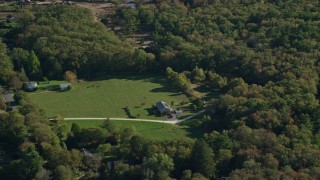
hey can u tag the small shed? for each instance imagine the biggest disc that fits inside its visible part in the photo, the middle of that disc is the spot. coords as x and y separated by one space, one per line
30 86
65 86
9 100
163 107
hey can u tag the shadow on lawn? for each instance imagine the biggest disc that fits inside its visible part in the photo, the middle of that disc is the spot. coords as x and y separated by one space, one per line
194 132
152 111
145 78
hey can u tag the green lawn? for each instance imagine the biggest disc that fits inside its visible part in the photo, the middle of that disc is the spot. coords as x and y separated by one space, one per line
149 130
109 97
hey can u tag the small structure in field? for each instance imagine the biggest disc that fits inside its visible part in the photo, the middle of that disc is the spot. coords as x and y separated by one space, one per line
163 107
9 100
65 86
30 86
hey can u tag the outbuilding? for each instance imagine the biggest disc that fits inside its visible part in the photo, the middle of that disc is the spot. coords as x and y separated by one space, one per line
65 86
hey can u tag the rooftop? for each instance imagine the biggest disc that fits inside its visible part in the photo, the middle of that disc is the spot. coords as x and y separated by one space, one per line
162 105
8 98
65 85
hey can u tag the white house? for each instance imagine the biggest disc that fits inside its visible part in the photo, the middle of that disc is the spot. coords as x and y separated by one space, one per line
65 86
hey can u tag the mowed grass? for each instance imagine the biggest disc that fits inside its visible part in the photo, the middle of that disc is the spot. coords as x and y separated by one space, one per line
109 97
149 130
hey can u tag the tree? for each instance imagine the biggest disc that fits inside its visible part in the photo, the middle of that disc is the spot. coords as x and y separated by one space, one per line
92 136
108 125
3 105
216 81
33 67
138 148
62 173
202 159
42 133
126 134
120 171
198 74
76 129
6 67
33 160
12 128
141 60
19 57
159 163
15 82
70 76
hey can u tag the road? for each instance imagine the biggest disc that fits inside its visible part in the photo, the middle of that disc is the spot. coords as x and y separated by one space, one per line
141 120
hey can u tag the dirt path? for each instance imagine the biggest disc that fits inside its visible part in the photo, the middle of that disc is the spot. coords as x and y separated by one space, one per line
140 120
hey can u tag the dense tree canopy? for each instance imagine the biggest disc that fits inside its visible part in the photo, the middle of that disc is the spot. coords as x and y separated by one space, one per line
66 38
254 66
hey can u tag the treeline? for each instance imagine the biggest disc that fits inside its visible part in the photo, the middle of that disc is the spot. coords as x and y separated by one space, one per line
62 38
261 60
34 148
259 41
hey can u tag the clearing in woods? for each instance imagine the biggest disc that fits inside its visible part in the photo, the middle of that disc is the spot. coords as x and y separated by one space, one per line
114 97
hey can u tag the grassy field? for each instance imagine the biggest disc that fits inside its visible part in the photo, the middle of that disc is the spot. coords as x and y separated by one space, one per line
149 130
110 97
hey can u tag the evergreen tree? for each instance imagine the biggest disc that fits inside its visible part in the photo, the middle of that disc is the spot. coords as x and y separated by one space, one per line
33 66
202 159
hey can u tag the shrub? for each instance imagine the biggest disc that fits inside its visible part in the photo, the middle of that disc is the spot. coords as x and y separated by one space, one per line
70 76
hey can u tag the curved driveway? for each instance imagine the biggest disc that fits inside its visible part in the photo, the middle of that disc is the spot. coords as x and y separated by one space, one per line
141 120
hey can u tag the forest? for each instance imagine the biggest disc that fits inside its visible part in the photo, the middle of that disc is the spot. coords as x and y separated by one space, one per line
258 58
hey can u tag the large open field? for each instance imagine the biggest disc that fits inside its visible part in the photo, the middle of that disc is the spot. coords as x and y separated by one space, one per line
149 130
109 98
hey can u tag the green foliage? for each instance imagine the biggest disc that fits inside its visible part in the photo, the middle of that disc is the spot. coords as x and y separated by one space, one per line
62 173
202 159
33 67
91 48
259 73
160 163
127 17
12 128
6 67
198 74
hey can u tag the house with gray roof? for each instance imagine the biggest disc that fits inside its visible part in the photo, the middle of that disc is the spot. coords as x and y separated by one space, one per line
163 107
30 86
9 100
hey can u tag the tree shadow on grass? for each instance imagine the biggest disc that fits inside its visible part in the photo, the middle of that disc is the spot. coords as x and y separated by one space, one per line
145 78
194 132
165 89
176 94
193 128
152 111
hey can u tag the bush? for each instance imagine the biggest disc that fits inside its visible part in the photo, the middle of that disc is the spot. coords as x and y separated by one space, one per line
70 76
3 105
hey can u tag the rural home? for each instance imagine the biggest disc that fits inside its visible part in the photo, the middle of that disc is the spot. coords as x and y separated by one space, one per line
163 107
30 86
9 100
65 86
